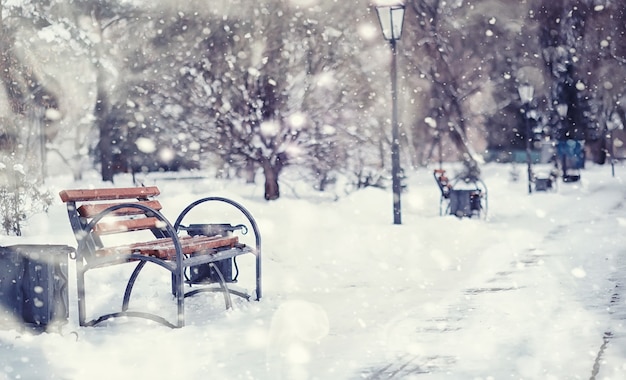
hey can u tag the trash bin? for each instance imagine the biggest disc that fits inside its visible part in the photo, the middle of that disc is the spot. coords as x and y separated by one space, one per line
206 273
572 158
33 286
543 184
465 203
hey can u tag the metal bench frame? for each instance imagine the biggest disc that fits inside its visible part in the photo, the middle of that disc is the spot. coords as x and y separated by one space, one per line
135 209
452 199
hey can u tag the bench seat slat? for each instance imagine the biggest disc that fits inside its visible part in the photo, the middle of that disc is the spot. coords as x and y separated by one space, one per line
118 226
164 248
83 195
90 210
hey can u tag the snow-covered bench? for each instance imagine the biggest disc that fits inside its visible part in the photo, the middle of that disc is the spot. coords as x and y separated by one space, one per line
185 251
464 202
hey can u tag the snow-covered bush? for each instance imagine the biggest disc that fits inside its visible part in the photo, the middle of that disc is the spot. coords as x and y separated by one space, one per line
20 196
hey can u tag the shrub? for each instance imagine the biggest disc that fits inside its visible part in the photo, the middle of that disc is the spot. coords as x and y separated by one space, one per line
20 196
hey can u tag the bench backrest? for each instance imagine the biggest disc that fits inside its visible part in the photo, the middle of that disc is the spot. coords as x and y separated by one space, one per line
84 204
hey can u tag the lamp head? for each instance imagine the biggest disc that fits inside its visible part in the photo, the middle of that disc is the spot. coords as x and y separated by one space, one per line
561 109
391 18
526 92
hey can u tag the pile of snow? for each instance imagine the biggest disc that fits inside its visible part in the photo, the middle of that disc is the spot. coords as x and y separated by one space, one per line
534 290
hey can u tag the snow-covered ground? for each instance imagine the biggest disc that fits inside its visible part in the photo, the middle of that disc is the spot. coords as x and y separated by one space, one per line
537 290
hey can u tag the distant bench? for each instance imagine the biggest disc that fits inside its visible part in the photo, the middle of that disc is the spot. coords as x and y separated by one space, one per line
465 202
201 255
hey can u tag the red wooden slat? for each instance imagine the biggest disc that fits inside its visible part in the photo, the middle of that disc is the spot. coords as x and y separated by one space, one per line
92 209
164 248
81 195
106 227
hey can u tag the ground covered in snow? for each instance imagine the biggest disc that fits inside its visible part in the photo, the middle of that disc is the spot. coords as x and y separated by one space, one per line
533 291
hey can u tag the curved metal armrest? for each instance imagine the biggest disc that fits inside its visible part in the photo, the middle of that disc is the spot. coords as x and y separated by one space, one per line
244 211
253 224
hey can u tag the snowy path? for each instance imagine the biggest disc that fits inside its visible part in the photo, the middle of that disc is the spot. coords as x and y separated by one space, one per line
610 362
556 311
536 291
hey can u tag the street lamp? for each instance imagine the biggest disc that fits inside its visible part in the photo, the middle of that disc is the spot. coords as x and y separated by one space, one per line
562 109
391 18
526 92
611 126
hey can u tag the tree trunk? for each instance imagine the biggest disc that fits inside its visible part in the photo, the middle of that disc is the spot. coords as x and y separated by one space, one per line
106 154
272 190
250 171
598 150
101 113
459 138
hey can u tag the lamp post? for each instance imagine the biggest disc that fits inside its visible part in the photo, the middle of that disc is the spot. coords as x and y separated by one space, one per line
611 126
562 109
391 18
526 92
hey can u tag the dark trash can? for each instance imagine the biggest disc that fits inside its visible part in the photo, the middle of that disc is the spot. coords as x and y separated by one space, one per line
207 273
465 203
543 184
33 286
572 152
572 158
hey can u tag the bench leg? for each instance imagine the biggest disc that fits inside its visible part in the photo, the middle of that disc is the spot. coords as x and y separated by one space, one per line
177 283
131 284
174 285
177 289
80 288
227 299
258 275
223 288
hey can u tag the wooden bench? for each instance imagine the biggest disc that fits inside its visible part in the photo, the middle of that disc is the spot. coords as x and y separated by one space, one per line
182 250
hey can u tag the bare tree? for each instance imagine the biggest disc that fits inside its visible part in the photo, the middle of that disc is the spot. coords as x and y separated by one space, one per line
451 67
33 105
582 50
273 88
